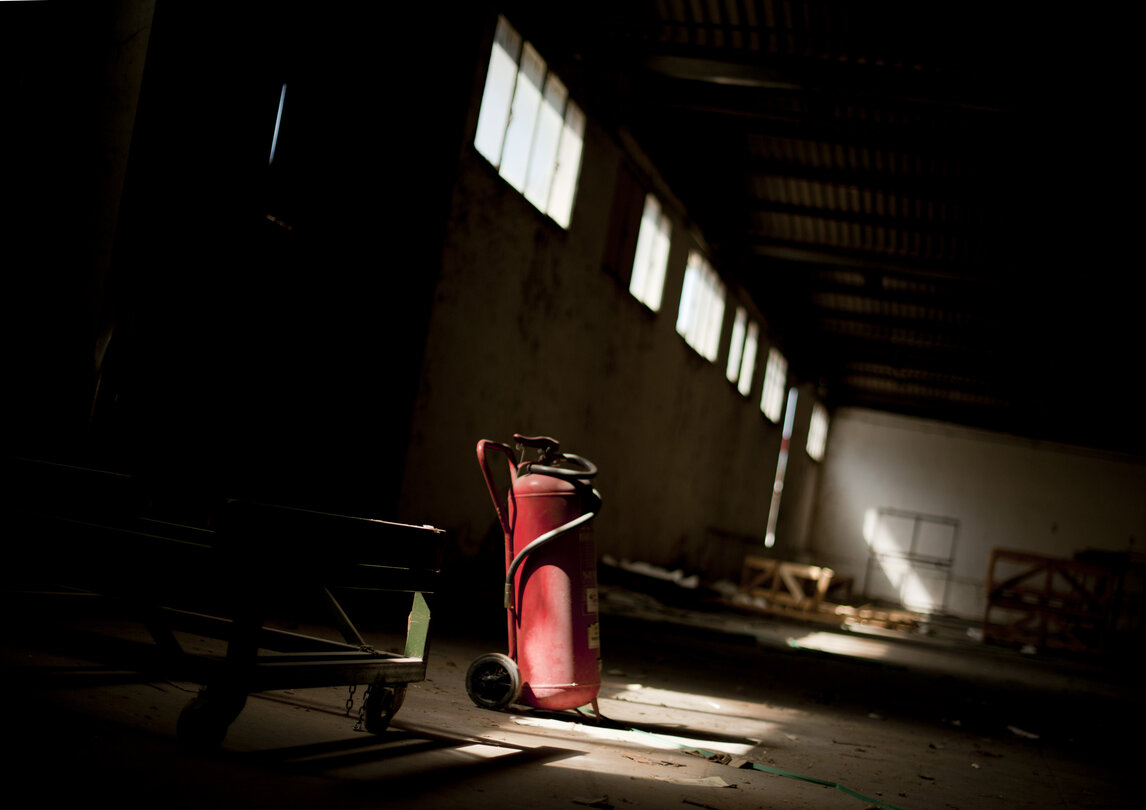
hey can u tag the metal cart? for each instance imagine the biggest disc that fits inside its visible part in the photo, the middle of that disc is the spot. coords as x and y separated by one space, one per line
218 569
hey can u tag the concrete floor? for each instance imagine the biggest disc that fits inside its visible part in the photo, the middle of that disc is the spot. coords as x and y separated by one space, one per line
700 708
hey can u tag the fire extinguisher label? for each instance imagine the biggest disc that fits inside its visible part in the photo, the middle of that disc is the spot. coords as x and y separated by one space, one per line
590 600
594 636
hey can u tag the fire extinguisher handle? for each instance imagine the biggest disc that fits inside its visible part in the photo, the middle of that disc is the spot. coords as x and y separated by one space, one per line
483 446
542 443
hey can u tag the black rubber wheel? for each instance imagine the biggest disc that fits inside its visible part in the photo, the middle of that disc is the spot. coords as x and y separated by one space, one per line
204 721
493 681
382 704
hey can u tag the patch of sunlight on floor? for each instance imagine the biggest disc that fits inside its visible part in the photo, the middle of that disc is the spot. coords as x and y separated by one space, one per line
842 645
645 739
484 751
651 696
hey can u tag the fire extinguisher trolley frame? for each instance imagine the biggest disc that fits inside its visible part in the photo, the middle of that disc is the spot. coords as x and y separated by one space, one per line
550 568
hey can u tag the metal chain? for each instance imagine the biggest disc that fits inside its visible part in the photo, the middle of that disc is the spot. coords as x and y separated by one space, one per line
361 721
366 648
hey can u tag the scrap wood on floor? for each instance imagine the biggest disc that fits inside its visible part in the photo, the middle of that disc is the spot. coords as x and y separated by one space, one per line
800 591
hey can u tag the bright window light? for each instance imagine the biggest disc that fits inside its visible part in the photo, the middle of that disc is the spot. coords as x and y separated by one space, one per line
543 158
278 123
701 313
523 114
648 279
527 126
498 94
568 166
748 361
775 378
742 351
736 347
818 432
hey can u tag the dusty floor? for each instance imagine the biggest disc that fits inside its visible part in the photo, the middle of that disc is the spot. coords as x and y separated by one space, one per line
700 708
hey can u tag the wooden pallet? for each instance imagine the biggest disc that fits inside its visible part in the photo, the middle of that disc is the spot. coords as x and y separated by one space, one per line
800 591
787 584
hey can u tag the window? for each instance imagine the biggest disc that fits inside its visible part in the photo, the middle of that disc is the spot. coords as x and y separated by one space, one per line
528 128
742 351
775 378
278 124
818 432
648 279
701 307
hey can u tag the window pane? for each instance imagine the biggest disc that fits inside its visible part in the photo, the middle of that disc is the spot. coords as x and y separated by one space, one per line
701 312
495 100
748 364
522 118
685 315
736 347
651 257
644 247
568 166
543 160
775 374
654 289
713 316
818 432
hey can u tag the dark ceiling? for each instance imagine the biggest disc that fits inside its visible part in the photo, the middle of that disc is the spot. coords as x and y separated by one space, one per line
925 200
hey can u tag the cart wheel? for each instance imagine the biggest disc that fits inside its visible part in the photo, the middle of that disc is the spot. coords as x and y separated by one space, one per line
493 681
382 704
204 721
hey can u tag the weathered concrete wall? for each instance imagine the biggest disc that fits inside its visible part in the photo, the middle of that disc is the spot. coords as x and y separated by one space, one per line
530 334
1004 492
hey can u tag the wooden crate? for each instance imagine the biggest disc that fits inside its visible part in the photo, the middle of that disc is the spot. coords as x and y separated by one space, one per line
1048 602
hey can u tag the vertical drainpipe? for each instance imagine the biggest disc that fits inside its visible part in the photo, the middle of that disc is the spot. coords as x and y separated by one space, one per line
781 467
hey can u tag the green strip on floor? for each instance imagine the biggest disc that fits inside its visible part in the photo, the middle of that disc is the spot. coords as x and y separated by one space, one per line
790 775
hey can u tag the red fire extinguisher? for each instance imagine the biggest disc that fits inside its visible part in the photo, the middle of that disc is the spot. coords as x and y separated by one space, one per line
554 659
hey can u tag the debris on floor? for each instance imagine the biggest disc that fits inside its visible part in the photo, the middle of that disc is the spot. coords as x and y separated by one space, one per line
800 591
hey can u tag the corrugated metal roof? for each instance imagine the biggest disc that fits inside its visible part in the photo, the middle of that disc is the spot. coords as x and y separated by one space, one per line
915 195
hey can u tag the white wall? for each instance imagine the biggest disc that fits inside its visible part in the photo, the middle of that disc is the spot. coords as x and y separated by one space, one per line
1004 492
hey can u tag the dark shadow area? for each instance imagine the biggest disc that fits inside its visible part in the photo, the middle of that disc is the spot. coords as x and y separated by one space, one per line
436 776
73 755
368 749
316 757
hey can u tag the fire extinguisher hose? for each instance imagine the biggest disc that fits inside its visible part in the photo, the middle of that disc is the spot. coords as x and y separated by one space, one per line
541 540
584 468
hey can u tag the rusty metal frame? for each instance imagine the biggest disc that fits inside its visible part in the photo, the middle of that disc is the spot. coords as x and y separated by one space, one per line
102 536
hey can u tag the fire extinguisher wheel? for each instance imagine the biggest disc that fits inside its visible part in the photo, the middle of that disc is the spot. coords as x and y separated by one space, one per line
493 681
